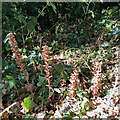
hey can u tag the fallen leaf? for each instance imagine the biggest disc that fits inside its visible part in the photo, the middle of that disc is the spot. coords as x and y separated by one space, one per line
5 116
41 115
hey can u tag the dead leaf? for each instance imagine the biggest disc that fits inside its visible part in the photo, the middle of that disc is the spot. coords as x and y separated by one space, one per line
91 105
5 116
41 115
4 91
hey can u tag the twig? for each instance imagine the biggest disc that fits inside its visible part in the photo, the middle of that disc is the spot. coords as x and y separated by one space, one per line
6 109
42 11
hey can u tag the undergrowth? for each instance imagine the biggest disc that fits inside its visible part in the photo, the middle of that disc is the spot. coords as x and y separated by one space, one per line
70 73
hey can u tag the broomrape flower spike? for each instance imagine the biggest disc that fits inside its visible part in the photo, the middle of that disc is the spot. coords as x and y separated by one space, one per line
73 80
15 50
96 79
46 58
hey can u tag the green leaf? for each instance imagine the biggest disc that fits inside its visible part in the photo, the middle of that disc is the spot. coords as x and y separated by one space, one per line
34 19
92 13
110 11
9 77
67 115
108 56
103 11
80 95
51 58
35 48
28 116
11 84
59 68
62 74
28 103
48 3
31 26
51 93
27 75
20 50
103 21
20 18
24 50
107 93
6 39
41 80
42 14
115 8
50 48
108 27
30 63
54 7
84 66
105 45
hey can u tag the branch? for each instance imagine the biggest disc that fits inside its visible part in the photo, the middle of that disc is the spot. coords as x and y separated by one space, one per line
8 108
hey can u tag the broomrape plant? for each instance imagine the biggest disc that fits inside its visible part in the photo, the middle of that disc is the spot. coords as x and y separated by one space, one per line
73 80
46 58
97 78
18 59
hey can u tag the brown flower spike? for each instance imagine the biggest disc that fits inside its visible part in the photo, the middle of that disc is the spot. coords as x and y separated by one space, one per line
73 80
96 79
46 58
15 50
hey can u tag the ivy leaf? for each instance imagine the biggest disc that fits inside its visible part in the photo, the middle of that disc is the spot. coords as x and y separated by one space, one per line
103 11
110 11
20 18
31 26
115 8
28 103
59 68
11 84
9 77
108 27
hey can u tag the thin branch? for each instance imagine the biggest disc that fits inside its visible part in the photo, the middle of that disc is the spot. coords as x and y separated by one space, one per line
6 109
